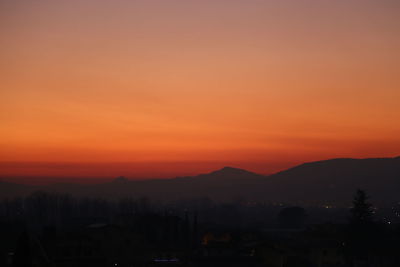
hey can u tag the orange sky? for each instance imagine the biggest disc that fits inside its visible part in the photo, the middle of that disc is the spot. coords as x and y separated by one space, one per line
161 88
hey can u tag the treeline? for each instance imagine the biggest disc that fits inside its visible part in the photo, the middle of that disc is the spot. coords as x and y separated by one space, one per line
43 208
52 208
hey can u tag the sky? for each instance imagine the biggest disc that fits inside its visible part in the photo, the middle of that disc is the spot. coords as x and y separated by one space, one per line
162 88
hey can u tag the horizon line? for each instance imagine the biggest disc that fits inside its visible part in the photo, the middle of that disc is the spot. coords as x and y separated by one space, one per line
39 180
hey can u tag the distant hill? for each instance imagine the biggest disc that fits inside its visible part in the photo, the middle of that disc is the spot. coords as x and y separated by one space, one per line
323 182
335 180
8 190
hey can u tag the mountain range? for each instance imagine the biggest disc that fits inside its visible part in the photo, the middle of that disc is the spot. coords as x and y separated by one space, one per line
327 182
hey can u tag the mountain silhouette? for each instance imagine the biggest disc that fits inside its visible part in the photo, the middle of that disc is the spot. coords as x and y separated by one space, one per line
120 180
336 179
232 172
322 182
8 189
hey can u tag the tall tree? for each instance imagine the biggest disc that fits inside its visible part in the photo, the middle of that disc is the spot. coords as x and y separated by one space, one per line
362 211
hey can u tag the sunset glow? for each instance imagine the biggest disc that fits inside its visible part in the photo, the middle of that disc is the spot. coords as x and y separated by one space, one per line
164 88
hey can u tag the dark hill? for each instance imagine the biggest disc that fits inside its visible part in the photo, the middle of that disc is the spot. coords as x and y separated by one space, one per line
334 181
323 182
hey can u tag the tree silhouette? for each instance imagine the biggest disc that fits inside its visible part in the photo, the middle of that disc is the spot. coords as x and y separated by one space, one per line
361 212
364 236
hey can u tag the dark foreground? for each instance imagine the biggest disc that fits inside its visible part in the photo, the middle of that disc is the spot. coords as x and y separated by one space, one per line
53 230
